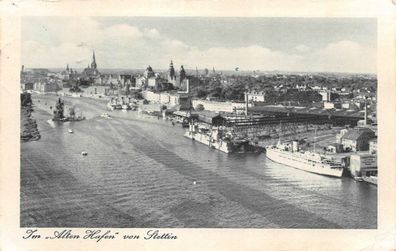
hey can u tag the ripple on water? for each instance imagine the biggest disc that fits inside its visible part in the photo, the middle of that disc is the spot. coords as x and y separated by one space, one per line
141 174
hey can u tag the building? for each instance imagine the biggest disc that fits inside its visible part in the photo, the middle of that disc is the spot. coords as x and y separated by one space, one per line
345 105
327 96
332 105
172 75
149 72
219 106
27 86
335 148
143 81
255 96
184 86
373 146
169 99
110 79
363 165
357 139
340 135
127 80
91 71
155 82
68 73
44 87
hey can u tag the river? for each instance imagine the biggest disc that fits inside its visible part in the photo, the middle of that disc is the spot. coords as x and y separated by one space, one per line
141 172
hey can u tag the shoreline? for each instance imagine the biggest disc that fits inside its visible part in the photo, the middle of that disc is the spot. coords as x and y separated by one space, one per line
140 172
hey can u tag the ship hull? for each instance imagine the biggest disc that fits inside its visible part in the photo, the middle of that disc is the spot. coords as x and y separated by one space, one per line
205 139
370 180
288 159
224 146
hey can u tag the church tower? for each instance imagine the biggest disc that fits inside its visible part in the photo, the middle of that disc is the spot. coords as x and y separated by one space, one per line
93 64
182 74
171 74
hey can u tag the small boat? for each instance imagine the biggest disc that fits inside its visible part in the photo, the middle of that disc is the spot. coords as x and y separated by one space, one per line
105 115
370 179
84 153
126 107
70 130
359 179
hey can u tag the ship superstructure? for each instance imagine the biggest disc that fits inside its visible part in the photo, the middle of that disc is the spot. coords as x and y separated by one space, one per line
290 155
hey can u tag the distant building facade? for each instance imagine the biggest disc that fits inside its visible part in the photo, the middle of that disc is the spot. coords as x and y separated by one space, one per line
256 96
91 71
363 165
373 146
219 106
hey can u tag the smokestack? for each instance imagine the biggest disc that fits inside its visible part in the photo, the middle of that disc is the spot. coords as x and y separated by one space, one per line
246 103
187 86
365 112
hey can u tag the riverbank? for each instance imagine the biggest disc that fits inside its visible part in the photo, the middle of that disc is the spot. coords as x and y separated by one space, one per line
141 172
29 130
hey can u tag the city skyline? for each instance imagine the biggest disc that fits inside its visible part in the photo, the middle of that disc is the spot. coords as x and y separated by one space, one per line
265 44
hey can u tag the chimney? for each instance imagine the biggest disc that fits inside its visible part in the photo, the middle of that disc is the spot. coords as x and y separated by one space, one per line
365 112
246 103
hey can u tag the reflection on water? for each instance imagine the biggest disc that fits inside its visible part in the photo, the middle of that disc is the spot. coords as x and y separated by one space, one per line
141 172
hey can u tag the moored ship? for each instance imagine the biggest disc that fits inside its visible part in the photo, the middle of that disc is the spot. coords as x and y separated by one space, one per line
215 138
291 155
370 179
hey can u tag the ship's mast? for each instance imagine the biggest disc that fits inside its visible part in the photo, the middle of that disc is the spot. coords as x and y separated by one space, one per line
280 132
315 141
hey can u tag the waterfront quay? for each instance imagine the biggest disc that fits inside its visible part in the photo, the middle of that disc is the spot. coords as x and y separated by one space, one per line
141 172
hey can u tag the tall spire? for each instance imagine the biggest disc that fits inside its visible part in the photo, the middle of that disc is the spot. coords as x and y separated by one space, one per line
172 74
93 64
182 73
67 67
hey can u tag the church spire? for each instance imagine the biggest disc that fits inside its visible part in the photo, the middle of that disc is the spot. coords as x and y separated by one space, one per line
182 73
172 74
93 64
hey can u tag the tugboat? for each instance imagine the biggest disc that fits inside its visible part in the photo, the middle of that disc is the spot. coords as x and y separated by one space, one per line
105 115
126 107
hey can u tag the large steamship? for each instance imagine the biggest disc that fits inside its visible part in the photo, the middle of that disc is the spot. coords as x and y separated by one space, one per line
291 155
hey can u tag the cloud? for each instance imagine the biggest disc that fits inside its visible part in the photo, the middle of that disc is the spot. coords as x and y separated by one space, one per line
344 56
302 48
125 46
151 33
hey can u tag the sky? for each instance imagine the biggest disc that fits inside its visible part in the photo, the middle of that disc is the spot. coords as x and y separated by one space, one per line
266 44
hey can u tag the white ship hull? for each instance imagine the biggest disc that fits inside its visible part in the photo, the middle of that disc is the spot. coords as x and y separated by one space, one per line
293 160
205 139
371 180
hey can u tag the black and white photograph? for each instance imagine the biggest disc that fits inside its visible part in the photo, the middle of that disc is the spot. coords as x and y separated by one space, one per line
198 122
